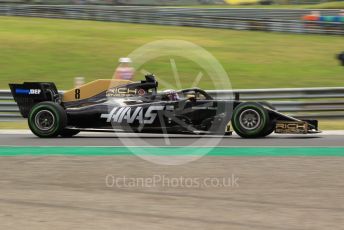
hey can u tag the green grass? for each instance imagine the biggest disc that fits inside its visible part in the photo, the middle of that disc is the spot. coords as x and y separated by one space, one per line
329 5
14 125
33 49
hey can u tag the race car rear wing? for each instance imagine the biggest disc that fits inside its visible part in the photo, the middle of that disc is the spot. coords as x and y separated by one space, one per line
30 93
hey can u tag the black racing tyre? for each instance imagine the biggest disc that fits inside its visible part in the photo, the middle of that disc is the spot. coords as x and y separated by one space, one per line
250 120
269 129
47 119
69 132
272 123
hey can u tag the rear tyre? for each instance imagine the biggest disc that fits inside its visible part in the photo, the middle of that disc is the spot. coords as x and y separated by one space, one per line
69 132
250 120
47 119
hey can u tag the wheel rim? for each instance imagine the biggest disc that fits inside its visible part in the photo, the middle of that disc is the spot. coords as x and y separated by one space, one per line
249 119
44 120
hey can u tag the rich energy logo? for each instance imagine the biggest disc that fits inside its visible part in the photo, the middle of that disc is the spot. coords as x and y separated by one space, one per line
124 92
132 114
291 127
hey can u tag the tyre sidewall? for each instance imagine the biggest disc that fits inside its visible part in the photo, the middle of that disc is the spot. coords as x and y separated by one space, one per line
272 122
59 115
257 132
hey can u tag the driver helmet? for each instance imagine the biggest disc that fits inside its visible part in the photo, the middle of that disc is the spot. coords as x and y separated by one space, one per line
171 94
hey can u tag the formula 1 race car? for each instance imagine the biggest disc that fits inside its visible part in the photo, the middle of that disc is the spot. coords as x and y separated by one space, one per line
125 106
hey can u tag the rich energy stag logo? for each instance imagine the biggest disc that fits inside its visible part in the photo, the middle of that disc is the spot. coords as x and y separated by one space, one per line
131 114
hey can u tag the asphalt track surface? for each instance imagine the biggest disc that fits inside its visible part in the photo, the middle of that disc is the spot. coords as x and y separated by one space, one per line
111 139
77 192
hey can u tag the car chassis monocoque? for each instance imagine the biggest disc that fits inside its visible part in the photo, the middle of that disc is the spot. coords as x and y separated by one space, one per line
125 106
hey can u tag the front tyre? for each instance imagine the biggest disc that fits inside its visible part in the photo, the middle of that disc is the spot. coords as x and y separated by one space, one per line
47 119
250 120
272 123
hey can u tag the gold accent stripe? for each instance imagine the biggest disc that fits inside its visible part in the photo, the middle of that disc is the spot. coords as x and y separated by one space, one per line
91 89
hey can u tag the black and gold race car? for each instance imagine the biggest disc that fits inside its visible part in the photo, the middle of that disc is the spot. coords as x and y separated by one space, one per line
125 106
